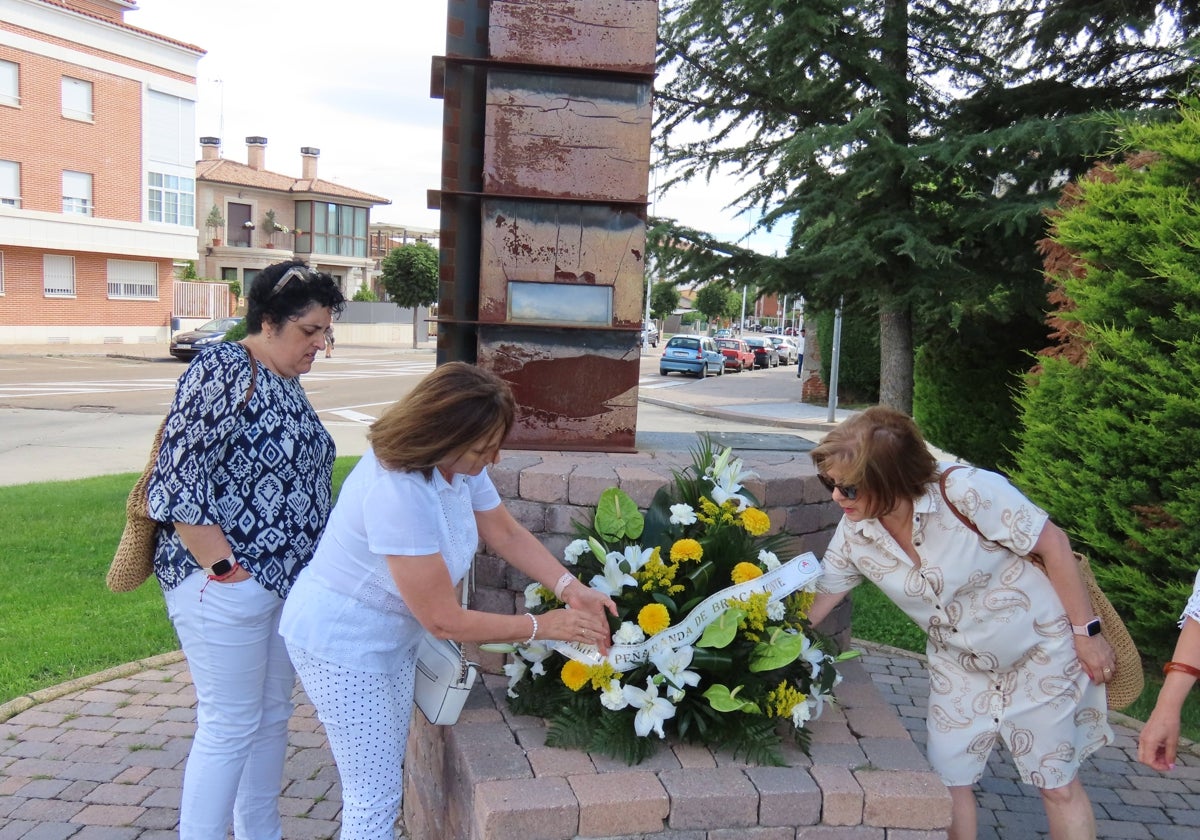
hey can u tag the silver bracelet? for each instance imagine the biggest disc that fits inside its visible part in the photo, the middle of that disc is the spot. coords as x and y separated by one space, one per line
532 635
563 583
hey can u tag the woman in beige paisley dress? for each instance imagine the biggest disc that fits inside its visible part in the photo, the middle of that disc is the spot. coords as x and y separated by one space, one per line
1012 650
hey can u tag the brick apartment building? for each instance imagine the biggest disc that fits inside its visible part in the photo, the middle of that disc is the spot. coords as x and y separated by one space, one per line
97 169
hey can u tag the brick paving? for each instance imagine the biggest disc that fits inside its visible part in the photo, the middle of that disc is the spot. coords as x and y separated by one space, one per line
102 758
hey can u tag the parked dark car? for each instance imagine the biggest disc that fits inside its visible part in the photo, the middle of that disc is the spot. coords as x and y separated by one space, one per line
186 345
765 355
738 357
691 354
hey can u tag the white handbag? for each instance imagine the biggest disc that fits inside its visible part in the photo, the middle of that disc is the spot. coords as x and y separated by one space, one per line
443 677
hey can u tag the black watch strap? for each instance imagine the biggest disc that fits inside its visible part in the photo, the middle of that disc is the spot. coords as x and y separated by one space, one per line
222 567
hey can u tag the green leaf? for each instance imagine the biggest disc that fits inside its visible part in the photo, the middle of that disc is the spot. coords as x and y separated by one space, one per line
780 649
701 575
667 601
724 700
617 516
723 629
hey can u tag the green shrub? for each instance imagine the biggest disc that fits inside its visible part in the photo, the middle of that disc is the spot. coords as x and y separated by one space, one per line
237 332
858 364
1109 444
365 294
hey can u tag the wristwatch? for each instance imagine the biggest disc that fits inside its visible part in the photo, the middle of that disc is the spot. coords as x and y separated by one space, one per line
225 566
1092 628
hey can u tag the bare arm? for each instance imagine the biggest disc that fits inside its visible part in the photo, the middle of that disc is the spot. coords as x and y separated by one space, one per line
208 544
1054 549
1159 738
823 606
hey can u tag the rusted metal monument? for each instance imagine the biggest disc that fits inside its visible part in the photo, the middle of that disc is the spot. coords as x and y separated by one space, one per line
545 167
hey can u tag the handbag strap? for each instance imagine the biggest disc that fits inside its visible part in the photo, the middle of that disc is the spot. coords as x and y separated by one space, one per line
958 513
253 378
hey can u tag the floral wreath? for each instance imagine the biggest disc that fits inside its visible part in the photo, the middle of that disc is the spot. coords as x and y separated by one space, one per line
711 641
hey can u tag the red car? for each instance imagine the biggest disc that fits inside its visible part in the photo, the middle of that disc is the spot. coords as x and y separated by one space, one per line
738 356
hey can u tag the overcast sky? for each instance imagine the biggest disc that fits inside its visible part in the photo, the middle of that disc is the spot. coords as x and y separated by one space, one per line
352 78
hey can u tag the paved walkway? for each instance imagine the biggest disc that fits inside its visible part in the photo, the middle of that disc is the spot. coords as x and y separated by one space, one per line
101 758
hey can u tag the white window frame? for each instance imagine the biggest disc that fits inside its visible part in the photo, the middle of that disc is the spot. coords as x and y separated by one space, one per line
75 182
78 99
58 269
10 183
132 280
172 200
10 83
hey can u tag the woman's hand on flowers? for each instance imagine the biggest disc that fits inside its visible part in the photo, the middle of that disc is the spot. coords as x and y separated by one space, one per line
582 622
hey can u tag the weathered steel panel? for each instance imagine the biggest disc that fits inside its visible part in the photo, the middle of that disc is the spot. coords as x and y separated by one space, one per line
566 136
575 389
540 242
615 35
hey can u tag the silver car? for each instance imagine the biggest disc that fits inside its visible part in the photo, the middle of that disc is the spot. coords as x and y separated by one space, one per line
789 352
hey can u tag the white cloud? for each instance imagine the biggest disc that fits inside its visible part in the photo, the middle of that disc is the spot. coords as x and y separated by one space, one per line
352 79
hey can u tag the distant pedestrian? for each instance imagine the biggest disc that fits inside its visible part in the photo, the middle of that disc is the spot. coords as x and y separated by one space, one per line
329 342
800 359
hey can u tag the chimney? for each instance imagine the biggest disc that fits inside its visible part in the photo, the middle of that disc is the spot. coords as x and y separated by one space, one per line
256 152
210 148
308 162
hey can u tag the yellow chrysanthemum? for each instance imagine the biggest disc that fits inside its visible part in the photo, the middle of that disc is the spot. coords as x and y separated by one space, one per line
686 549
743 572
782 699
654 618
575 675
601 675
755 522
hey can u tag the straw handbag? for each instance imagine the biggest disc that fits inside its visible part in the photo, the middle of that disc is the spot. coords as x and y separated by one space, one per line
133 562
1127 683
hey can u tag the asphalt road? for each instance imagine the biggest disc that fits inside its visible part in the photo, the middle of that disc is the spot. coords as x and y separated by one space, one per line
66 416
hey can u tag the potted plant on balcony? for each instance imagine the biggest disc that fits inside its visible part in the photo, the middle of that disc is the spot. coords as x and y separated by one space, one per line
270 227
216 224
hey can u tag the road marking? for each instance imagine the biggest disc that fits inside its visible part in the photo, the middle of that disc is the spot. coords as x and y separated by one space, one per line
653 384
348 414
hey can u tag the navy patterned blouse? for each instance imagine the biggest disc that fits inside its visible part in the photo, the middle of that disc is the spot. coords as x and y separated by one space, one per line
263 472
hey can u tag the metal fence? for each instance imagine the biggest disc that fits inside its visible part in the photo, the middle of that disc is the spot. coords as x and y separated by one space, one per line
201 300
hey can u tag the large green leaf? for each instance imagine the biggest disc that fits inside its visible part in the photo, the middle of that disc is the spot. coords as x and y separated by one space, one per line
617 516
723 629
724 700
781 648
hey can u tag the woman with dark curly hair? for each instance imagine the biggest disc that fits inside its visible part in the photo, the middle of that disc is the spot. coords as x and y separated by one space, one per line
243 486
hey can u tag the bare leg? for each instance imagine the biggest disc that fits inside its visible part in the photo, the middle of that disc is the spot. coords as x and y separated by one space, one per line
963 817
1069 812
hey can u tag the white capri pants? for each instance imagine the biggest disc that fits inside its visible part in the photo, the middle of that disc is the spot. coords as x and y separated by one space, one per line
366 716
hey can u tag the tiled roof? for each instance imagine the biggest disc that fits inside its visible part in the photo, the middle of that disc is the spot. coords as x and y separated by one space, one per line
239 174
124 25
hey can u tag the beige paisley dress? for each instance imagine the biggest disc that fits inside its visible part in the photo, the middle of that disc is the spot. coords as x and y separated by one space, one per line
1002 661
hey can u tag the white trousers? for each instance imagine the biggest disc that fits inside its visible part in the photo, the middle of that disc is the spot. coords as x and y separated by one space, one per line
244 683
366 717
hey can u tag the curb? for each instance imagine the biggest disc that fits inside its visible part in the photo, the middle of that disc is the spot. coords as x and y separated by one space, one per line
28 701
740 417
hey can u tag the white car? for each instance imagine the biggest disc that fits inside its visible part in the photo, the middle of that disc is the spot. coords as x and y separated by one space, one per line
789 351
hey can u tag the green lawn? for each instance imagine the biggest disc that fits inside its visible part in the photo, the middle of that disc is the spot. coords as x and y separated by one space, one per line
58 621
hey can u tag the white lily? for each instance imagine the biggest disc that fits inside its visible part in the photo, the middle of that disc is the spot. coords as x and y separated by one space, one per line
682 514
813 655
514 670
769 560
629 634
573 551
613 696
536 655
652 709
727 477
533 595
673 664
612 580
637 557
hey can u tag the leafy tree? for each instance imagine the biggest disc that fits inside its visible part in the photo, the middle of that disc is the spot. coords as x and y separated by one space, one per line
716 302
912 146
1110 433
365 295
410 275
664 297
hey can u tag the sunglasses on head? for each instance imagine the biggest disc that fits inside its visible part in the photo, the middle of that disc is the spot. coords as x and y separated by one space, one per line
305 274
850 491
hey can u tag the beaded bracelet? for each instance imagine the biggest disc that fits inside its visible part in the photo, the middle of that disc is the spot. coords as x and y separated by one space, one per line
563 583
532 635
1183 667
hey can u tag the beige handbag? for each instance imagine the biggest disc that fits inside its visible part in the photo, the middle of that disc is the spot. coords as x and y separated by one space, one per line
133 562
1129 680
443 677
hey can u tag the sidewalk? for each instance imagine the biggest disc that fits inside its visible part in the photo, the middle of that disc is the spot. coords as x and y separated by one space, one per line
102 757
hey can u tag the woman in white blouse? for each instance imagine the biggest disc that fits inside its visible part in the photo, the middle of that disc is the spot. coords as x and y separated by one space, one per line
402 535
1013 652
1160 736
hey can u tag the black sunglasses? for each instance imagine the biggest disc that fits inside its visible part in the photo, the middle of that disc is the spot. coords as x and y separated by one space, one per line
305 274
850 491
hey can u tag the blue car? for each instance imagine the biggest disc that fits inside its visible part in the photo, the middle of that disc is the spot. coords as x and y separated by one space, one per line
695 354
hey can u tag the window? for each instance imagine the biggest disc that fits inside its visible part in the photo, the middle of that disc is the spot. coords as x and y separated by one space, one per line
336 228
76 99
77 192
172 199
132 279
228 275
170 129
10 83
559 303
10 183
58 275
